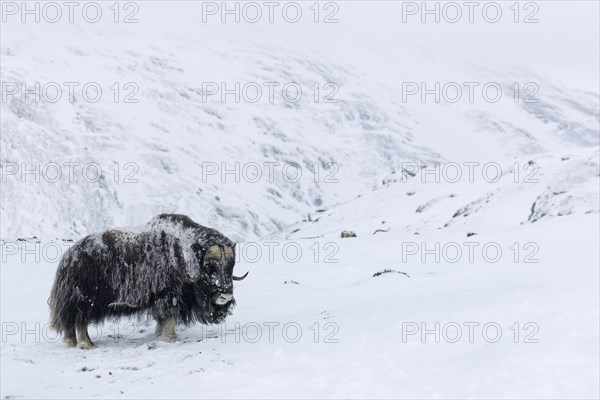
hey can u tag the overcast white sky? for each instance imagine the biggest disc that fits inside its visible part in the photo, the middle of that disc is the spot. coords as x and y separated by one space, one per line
564 43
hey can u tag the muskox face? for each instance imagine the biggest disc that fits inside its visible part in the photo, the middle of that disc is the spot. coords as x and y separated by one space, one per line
217 268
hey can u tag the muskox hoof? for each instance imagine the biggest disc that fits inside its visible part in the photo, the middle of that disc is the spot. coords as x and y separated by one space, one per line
169 330
171 338
84 338
71 342
87 345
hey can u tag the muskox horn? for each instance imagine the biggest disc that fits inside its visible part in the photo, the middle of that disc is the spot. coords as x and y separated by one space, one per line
213 253
240 278
228 252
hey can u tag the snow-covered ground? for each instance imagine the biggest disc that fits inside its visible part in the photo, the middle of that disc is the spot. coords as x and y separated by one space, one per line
331 329
475 267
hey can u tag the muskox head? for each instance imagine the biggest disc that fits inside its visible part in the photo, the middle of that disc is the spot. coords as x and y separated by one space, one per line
217 273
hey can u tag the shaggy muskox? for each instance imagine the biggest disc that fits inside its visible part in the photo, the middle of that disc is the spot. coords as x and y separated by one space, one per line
172 269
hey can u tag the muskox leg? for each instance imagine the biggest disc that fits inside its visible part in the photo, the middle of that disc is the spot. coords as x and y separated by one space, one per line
84 338
169 330
159 327
70 337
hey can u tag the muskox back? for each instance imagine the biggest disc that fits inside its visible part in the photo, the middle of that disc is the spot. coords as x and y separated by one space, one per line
146 270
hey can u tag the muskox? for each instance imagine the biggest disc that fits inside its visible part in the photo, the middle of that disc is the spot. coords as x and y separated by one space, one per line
172 269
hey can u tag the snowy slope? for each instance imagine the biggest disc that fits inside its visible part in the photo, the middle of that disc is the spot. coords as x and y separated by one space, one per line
464 197
170 139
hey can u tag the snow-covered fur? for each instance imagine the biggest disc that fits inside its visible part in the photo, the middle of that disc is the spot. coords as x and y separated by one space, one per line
158 269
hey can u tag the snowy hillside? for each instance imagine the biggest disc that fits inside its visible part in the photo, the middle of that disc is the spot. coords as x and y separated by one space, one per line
417 203
477 197
165 152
